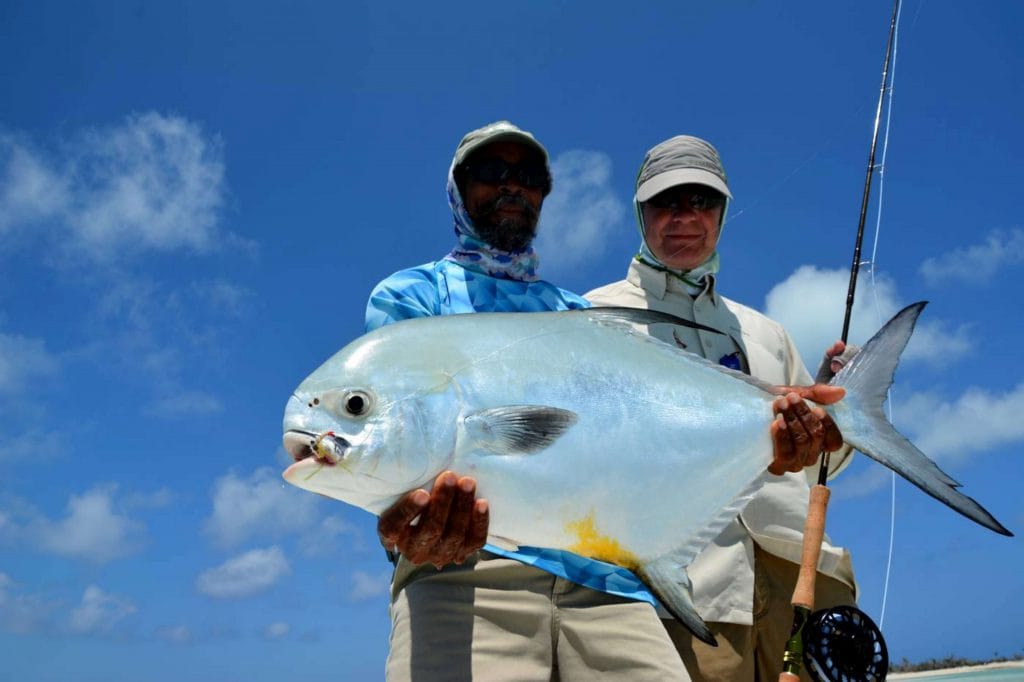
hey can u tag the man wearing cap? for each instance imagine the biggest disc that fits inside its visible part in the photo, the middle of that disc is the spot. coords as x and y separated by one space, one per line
744 579
458 613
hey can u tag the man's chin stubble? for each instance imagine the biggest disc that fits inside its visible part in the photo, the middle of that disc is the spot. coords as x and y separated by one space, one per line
507 234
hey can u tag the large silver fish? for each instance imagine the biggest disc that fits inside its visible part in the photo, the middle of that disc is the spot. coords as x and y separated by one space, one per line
582 433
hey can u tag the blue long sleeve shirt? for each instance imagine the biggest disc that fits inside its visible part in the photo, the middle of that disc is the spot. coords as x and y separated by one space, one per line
447 288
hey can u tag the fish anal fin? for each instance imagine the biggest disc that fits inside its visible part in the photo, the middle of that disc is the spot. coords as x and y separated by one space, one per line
518 429
667 579
503 543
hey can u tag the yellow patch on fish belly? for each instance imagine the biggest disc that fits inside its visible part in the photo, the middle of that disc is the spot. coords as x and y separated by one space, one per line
603 547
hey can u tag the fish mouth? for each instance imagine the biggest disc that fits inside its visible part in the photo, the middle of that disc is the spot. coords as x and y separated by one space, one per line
327 448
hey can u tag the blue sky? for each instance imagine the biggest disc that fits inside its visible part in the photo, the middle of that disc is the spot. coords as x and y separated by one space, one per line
196 198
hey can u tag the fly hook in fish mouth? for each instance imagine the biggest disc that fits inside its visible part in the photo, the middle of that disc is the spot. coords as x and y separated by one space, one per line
327 448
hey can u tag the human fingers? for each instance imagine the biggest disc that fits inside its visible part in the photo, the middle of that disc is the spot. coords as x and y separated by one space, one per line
476 537
393 524
828 368
449 546
423 539
803 430
833 436
810 419
782 447
822 394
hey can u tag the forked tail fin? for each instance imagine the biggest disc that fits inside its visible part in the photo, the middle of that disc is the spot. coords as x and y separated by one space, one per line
859 415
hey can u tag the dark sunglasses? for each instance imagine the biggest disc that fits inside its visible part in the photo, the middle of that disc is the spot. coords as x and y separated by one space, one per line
699 199
496 171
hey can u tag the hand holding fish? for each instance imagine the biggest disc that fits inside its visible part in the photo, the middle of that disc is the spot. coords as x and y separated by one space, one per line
803 432
836 357
800 432
452 523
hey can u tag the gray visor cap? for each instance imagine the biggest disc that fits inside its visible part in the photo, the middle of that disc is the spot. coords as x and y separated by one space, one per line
500 131
680 160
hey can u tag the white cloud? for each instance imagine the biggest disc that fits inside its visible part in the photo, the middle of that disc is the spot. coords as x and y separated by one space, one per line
223 297
22 613
367 586
99 612
581 211
260 505
32 445
168 339
323 538
245 575
276 630
152 182
811 302
852 485
92 530
976 263
938 425
178 634
23 360
29 189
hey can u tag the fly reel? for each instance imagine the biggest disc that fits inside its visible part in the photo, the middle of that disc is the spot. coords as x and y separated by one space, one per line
842 644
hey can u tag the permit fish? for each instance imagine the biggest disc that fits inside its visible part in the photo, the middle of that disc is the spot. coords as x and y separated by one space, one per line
583 433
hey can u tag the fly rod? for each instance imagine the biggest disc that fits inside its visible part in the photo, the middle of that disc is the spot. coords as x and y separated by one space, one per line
841 643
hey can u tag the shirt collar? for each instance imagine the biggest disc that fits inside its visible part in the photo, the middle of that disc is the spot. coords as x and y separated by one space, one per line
659 283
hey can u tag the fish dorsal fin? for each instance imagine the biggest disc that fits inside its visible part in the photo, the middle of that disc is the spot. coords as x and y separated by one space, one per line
641 316
627 316
518 429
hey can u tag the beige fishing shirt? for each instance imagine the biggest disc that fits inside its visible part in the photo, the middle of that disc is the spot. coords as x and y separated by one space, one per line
723 573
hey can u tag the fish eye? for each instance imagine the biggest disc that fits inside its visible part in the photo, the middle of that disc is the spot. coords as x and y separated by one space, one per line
357 403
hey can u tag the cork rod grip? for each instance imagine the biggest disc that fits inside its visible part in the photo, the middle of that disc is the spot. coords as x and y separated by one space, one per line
814 532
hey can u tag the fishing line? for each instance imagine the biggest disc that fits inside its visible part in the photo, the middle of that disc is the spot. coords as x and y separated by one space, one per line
799 167
838 643
874 293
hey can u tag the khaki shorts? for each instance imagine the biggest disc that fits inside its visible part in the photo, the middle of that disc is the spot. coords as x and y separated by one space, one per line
498 619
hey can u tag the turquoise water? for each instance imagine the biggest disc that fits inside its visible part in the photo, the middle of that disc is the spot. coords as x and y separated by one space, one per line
1006 675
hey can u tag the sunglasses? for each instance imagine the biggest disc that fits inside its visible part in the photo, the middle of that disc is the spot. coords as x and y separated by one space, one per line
675 198
496 171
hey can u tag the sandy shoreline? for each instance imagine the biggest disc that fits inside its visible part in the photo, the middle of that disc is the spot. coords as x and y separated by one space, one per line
952 671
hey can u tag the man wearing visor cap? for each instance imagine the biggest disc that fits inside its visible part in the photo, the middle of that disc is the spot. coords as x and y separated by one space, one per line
743 580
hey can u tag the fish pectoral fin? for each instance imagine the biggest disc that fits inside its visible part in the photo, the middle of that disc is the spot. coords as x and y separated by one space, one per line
518 429
670 584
